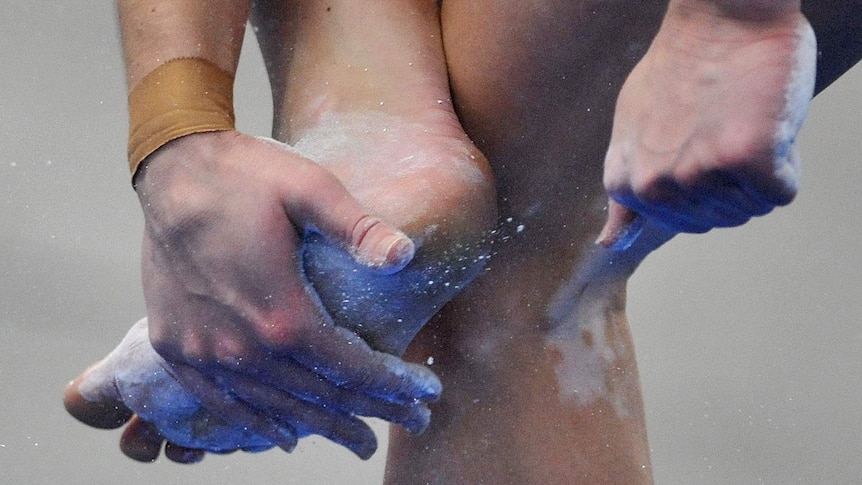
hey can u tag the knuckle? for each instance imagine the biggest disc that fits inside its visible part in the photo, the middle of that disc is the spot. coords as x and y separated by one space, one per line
308 184
650 185
163 344
280 332
363 227
190 351
230 352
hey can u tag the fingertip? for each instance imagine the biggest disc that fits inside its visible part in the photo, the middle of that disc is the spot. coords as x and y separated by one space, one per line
365 450
420 420
360 439
141 441
285 439
381 247
398 253
256 449
422 383
181 454
106 413
433 387
620 219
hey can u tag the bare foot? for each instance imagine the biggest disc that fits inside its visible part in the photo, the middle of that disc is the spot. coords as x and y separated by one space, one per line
363 90
428 180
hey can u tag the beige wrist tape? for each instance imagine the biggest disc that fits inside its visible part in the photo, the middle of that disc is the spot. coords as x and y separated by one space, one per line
180 97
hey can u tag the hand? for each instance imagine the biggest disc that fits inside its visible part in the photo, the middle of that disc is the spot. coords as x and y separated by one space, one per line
705 125
451 222
134 384
228 305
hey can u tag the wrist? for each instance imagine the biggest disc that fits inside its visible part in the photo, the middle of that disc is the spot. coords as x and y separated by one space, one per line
181 97
710 30
182 161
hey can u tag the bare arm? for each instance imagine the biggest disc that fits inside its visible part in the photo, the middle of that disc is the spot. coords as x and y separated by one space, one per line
747 10
154 32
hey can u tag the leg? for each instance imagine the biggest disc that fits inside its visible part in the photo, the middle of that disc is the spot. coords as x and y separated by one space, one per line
538 391
391 136
540 384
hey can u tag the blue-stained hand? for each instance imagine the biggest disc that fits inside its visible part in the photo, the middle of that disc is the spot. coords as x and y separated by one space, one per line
705 126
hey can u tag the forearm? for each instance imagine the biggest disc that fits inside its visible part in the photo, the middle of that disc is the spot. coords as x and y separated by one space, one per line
169 100
698 26
156 31
746 10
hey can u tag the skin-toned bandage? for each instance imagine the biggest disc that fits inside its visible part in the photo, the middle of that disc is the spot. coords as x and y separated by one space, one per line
182 96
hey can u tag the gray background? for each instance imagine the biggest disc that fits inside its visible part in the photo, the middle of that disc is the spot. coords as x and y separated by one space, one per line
749 339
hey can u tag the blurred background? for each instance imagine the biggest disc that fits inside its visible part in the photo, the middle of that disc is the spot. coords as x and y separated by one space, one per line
749 340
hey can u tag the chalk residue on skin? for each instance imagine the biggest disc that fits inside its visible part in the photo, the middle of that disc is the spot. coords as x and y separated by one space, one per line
135 374
581 312
377 155
798 94
335 136
584 353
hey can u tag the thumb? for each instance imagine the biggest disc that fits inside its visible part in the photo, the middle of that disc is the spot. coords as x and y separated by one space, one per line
98 405
620 223
324 205
379 245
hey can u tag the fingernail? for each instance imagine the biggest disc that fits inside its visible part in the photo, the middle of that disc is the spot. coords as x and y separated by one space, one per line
400 251
427 387
394 253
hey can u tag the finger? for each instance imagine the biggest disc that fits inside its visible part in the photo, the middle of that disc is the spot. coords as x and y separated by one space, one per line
658 198
667 205
779 187
297 329
677 218
716 200
343 358
141 441
308 386
103 409
619 219
181 454
722 215
256 449
307 418
325 206
730 196
727 206
765 195
227 407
